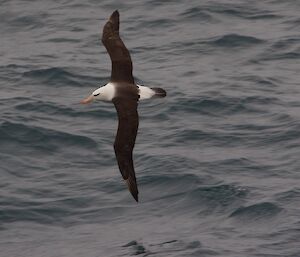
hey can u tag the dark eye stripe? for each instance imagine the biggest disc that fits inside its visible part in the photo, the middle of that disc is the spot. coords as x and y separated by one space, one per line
97 94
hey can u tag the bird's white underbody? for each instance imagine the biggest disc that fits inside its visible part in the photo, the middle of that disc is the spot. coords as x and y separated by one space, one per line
108 92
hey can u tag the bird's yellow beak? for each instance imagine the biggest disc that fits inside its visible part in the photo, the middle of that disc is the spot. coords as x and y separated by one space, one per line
87 100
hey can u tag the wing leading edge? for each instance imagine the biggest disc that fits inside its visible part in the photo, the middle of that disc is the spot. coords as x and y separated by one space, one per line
119 54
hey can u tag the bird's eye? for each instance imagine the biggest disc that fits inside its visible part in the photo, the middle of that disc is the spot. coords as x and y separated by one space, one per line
97 94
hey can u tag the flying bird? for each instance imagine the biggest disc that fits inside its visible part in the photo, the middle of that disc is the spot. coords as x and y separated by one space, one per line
125 94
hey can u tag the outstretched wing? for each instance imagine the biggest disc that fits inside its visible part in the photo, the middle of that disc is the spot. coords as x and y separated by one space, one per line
125 140
119 54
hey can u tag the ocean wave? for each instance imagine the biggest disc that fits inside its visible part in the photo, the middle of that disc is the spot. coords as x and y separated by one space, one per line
266 82
219 195
32 214
163 22
60 77
281 49
50 108
290 55
257 211
235 40
220 105
241 11
27 22
197 14
46 140
291 196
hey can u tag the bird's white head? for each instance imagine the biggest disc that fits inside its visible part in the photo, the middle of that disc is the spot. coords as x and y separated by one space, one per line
105 93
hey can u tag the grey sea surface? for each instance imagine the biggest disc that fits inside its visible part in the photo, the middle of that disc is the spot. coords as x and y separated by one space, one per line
217 160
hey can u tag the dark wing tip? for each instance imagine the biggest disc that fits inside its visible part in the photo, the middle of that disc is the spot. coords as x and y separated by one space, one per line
111 27
114 18
136 198
115 13
131 183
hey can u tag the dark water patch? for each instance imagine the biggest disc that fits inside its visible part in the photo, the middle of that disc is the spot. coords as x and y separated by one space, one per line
197 105
59 77
173 183
282 118
197 14
139 249
260 100
284 135
293 22
78 29
172 178
172 188
44 107
18 167
213 104
103 214
69 5
154 3
40 198
264 16
12 73
180 247
14 66
232 10
167 242
235 40
281 49
14 100
220 105
131 243
136 248
161 23
45 140
285 43
27 22
218 196
292 55
194 244
155 114
142 49
241 167
193 199
109 6
191 46
250 128
259 211
261 135
241 11
290 196
216 138
265 82
65 212
111 186
51 215
63 40
50 108
165 165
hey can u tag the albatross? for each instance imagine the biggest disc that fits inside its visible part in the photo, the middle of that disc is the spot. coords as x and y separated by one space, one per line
125 94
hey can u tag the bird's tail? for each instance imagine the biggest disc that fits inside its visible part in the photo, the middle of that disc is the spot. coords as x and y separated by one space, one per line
159 92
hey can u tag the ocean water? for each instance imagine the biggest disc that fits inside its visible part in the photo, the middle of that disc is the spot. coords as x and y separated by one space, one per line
217 160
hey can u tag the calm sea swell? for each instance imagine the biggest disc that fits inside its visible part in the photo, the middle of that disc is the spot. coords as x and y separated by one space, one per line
217 161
